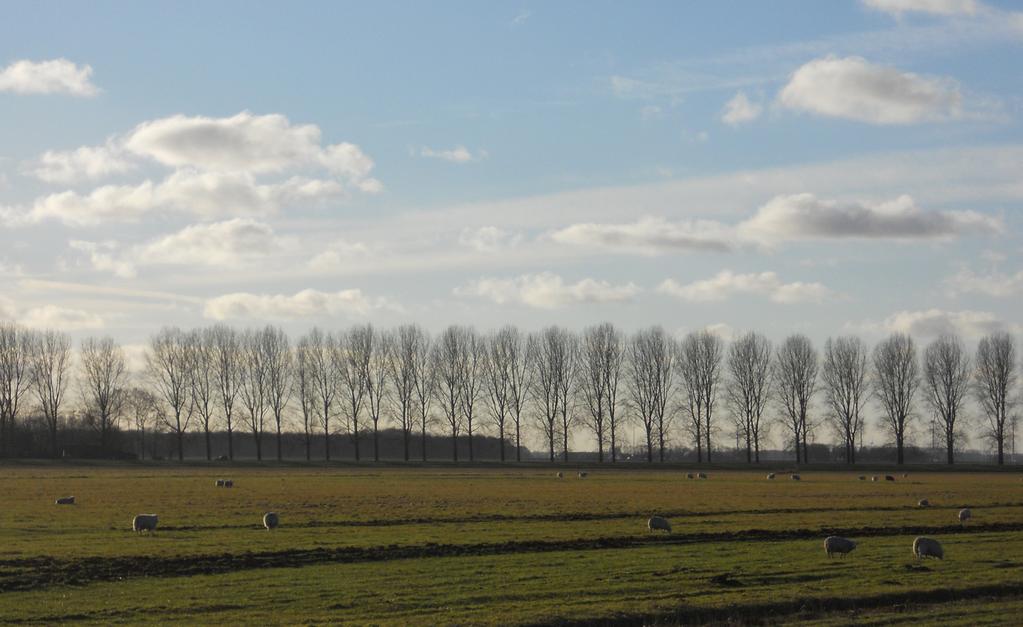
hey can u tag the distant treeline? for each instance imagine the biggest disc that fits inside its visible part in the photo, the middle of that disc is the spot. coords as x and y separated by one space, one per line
365 393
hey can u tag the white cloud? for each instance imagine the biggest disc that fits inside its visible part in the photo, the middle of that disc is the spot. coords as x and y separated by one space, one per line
337 255
740 110
934 7
56 76
727 284
218 244
648 236
521 18
935 322
804 216
547 291
855 89
488 239
84 163
308 303
458 154
60 318
995 284
204 194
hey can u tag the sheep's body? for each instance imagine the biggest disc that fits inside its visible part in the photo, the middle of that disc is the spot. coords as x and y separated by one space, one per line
889 478
271 520
561 475
839 545
770 476
701 475
863 478
66 500
144 522
583 474
795 477
924 503
964 515
927 547
689 475
228 483
874 478
656 523
220 483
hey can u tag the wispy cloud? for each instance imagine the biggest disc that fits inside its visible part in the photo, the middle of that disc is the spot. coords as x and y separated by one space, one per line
55 76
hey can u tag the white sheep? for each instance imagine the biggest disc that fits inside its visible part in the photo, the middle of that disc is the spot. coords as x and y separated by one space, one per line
923 503
689 475
701 475
271 520
874 478
144 522
770 475
66 500
795 477
657 523
839 545
863 478
220 483
583 474
964 515
228 483
927 547
561 475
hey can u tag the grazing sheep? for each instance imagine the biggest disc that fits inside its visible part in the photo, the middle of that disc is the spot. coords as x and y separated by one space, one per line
689 475
839 545
701 475
222 458
770 475
927 547
964 515
889 478
905 475
144 522
863 478
220 483
561 475
228 483
271 520
923 503
874 478
795 477
657 523
66 500
583 474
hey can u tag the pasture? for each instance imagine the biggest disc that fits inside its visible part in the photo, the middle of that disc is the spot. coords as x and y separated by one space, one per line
491 545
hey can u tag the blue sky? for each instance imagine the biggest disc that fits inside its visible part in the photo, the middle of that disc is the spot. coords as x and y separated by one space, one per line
825 167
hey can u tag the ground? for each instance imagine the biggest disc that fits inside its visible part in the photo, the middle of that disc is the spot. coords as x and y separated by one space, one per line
493 545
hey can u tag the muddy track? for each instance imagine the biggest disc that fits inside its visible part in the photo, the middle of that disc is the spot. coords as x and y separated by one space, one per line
581 516
806 609
33 573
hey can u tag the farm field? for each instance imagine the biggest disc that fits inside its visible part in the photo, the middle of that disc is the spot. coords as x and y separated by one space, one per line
491 545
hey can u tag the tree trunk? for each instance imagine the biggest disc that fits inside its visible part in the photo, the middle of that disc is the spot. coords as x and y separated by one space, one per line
501 437
376 443
230 441
209 449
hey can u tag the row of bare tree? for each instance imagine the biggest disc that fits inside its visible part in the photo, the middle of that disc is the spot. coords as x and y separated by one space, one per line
361 379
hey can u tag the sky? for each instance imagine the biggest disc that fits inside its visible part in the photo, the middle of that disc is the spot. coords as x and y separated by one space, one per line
793 166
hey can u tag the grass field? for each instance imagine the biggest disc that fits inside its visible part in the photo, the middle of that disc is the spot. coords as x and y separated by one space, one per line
503 546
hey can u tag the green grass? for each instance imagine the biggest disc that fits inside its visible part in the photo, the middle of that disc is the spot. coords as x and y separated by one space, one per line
497 546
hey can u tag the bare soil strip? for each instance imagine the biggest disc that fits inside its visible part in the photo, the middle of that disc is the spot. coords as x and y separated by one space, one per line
34 573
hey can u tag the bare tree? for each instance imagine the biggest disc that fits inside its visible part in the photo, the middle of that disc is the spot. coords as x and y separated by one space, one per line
520 356
228 359
254 390
353 352
947 382
846 391
897 377
651 363
601 356
749 387
104 377
16 350
796 381
402 347
553 359
324 361
699 364
471 378
995 385
280 366
169 368
447 364
425 378
569 379
499 364
143 410
378 369
304 383
203 371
